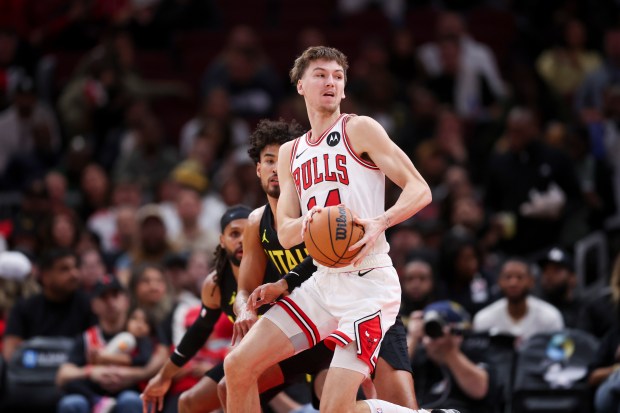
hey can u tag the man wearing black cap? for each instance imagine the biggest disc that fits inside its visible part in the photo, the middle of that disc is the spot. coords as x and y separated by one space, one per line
218 293
557 285
89 381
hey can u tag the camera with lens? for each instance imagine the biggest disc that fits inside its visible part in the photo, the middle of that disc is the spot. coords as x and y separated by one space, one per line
434 324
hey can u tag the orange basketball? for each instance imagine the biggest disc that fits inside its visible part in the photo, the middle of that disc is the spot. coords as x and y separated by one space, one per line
330 234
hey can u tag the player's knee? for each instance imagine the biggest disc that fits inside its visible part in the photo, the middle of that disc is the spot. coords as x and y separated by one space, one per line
237 366
221 392
336 406
186 402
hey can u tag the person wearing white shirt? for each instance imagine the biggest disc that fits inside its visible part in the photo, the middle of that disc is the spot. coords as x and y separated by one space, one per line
476 62
518 313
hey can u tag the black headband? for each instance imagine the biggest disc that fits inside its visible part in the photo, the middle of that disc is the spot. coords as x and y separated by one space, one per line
234 212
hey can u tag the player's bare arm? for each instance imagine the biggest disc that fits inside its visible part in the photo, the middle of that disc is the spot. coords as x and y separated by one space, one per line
153 394
288 214
369 139
251 274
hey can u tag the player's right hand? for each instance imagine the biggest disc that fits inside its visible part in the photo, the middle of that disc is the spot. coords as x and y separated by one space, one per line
308 219
245 320
153 395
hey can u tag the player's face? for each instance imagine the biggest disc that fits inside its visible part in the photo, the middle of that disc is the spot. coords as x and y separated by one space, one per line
322 85
267 170
515 281
232 238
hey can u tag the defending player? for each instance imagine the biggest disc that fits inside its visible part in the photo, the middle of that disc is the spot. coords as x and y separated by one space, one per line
343 159
218 291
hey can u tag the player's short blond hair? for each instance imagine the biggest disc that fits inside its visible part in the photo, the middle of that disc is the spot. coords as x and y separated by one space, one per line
317 53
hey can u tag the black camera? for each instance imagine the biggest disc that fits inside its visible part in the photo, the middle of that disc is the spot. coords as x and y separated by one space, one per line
433 324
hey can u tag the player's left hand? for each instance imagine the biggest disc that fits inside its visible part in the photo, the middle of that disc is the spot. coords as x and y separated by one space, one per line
245 320
372 229
266 294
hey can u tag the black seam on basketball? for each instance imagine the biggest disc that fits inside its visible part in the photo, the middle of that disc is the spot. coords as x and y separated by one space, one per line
331 238
323 262
350 239
344 256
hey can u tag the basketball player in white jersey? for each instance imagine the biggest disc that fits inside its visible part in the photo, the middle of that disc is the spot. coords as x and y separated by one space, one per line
342 159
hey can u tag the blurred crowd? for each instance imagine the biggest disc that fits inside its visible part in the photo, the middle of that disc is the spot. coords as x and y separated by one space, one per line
124 127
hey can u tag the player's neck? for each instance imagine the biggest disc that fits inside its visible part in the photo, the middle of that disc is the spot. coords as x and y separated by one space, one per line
320 121
273 204
235 270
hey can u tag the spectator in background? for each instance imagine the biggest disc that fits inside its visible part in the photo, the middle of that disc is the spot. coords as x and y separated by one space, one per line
394 10
198 267
532 186
185 293
209 148
94 379
589 99
558 285
91 104
16 282
95 189
61 230
418 286
151 244
451 371
600 312
60 310
32 212
92 269
518 313
151 160
56 186
151 290
192 236
404 238
611 141
403 61
13 65
565 66
243 70
470 65
605 372
462 279
25 123
216 108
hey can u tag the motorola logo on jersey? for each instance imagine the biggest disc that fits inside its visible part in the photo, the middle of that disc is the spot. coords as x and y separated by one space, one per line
333 138
328 168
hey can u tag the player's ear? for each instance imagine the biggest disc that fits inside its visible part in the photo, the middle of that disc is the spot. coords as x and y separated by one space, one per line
300 88
258 169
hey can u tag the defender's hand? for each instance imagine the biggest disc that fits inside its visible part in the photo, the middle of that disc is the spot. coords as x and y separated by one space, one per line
266 294
245 320
153 395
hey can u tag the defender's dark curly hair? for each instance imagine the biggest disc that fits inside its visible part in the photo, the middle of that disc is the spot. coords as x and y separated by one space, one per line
219 262
271 132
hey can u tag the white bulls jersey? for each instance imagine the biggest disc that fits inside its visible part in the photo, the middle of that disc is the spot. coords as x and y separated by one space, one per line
328 173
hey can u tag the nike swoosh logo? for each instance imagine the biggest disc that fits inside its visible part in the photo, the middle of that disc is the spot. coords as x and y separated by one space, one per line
362 273
300 153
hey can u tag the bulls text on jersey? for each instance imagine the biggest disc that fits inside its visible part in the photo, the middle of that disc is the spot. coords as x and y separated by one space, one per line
328 168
